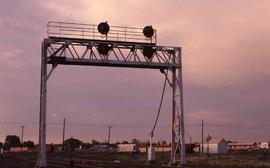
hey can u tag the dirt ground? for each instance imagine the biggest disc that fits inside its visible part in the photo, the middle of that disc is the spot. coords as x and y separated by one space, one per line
243 160
7 162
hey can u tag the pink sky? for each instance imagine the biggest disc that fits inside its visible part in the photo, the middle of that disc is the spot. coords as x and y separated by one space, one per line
226 55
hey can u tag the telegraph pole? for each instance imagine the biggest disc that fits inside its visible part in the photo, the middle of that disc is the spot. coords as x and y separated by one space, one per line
202 139
22 133
190 138
22 137
109 134
64 131
71 154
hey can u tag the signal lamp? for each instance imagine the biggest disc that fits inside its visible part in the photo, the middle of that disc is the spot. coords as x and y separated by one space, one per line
148 51
103 49
148 31
103 28
132 49
171 52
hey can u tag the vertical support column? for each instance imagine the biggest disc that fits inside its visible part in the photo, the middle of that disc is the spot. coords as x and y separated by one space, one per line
173 144
109 135
42 115
182 125
64 132
22 138
202 147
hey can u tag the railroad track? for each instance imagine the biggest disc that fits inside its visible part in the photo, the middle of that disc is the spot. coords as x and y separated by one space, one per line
63 164
89 163
66 164
85 163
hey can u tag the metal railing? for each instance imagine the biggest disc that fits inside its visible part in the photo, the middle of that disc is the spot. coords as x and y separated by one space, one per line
90 31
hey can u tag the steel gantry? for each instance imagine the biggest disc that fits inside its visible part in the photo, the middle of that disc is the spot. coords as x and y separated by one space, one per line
111 46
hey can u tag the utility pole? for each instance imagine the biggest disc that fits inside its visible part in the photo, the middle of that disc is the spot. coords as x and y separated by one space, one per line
190 138
22 133
22 137
202 148
71 164
64 132
109 134
208 138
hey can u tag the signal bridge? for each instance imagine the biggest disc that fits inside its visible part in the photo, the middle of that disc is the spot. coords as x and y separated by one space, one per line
111 46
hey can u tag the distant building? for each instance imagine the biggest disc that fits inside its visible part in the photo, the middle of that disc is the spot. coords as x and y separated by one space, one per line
143 149
100 147
163 149
215 146
157 149
234 147
190 148
127 148
264 145
19 149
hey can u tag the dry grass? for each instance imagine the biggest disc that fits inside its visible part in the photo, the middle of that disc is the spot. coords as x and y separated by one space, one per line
243 160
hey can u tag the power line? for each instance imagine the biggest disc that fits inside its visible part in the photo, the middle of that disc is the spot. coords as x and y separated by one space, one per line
234 126
160 104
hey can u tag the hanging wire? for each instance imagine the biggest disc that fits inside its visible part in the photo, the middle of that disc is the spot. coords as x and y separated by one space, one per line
160 104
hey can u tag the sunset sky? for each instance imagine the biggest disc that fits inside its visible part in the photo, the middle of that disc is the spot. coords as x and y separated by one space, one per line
226 57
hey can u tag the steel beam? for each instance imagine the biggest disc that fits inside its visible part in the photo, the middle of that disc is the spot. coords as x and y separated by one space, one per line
85 41
109 63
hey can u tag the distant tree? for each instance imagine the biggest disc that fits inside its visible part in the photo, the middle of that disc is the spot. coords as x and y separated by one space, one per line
29 144
50 148
143 143
190 148
72 143
154 143
86 145
94 142
124 142
147 143
113 146
12 141
1 144
163 142
135 141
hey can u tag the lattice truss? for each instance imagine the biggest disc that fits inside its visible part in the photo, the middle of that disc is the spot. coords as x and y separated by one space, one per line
86 52
178 118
